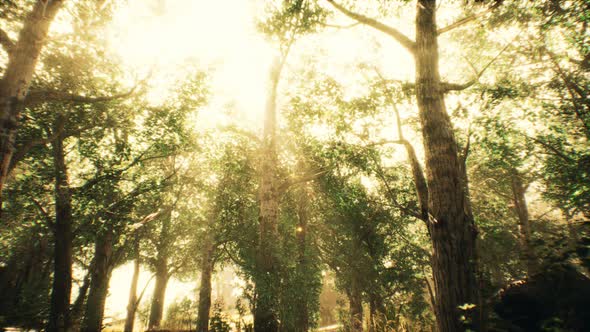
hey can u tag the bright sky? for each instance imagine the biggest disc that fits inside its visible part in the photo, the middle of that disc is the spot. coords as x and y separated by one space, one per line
169 35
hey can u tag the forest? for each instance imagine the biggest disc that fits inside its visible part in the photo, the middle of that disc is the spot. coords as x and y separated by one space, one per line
294 165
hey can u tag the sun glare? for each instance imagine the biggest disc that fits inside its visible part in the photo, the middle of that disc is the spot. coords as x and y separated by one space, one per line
161 37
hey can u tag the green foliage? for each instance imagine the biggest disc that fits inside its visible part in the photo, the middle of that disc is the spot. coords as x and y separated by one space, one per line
181 314
218 321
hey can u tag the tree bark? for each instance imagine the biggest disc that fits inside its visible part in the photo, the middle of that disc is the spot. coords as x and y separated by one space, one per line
302 305
162 274
356 307
520 206
267 280
23 57
204 308
78 306
157 307
451 226
59 312
99 284
453 233
132 303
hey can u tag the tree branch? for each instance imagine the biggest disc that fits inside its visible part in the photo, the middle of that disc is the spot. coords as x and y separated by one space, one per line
464 21
446 87
37 97
45 214
143 290
406 42
337 26
22 152
417 172
6 42
305 178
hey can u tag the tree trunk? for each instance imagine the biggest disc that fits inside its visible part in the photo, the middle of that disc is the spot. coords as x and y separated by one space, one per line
157 308
452 228
99 284
23 56
132 303
524 228
302 306
356 307
78 306
205 290
267 280
377 319
162 274
59 312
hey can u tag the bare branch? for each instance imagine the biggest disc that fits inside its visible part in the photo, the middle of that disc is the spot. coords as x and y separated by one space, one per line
143 290
553 149
6 42
466 150
446 87
406 42
305 178
337 26
417 172
45 214
463 21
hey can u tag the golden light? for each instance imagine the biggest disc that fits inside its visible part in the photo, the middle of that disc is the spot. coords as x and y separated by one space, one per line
167 37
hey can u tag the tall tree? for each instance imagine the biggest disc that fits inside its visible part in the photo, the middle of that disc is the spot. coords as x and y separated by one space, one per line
450 223
59 319
14 85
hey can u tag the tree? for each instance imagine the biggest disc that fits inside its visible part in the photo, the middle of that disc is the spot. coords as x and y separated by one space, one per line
450 222
23 56
293 19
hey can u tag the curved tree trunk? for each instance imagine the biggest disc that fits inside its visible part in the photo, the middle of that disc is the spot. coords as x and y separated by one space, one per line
205 289
99 284
22 59
59 312
451 226
132 303
78 305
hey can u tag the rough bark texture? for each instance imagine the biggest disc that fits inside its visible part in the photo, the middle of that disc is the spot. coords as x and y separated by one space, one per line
450 223
99 284
267 287
157 308
452 229
59 313
17 77
356 307
132 302
205 290
524 227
